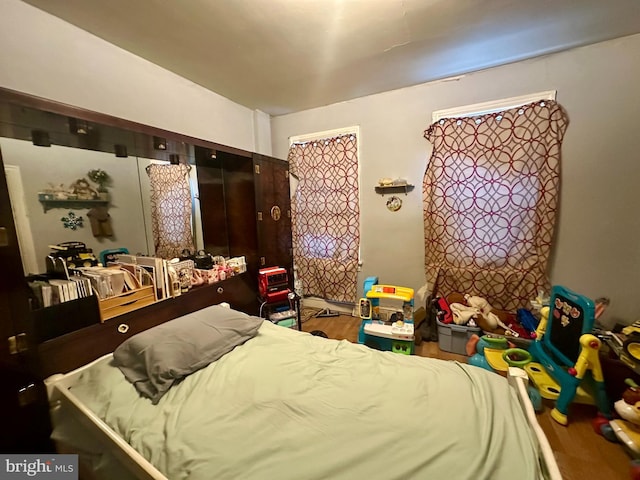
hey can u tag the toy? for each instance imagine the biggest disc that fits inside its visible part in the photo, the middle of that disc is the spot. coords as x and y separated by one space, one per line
396 335
443 312
73 254
479 303
566 353
633 328
495 353
517 357
484 310
365 308
273 283
483 345
626 430
111 255
631 345
462 314
628 434
528 321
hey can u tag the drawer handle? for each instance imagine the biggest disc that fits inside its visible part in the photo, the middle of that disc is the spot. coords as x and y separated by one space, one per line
123 328
220 289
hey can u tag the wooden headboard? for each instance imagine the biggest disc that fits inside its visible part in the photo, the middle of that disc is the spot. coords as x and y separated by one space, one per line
79 347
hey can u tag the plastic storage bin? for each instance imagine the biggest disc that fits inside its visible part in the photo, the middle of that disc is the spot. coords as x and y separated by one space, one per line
453 338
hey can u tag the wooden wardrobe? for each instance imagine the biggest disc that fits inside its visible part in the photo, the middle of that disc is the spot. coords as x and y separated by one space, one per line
245 211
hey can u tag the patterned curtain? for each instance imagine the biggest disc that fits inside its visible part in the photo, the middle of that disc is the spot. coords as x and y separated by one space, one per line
326 216
170 209
490 194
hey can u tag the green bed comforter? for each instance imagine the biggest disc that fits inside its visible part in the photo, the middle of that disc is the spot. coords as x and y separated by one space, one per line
289 405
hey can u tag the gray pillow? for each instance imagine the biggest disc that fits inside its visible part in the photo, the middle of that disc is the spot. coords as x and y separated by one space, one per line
157 358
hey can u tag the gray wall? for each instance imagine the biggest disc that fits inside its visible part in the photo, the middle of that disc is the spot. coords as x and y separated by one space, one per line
597 251
40 166
45 56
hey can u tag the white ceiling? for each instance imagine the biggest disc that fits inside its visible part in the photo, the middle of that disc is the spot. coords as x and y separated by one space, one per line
282 56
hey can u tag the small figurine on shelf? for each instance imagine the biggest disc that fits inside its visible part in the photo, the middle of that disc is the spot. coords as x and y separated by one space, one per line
103 179
81 190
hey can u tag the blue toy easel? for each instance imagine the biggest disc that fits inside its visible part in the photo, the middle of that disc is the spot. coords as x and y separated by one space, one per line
568 351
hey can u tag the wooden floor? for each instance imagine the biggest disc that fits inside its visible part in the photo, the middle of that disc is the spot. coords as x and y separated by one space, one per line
581 453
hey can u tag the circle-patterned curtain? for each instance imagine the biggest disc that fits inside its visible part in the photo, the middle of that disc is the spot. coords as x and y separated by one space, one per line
490 194
170 209
326 216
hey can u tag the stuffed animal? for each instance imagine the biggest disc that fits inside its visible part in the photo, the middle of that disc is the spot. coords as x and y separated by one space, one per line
479 303
462 314
485 308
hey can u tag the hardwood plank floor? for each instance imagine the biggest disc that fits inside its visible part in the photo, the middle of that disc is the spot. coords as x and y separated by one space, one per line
580 452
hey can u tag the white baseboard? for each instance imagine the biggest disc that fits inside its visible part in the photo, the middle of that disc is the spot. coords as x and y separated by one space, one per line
344 308
315 302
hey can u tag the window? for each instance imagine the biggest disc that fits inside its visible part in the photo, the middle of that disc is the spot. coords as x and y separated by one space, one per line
495 106
326 213
171 208
490 192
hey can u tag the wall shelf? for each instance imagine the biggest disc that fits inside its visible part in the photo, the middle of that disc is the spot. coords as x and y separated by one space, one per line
72 204
382 190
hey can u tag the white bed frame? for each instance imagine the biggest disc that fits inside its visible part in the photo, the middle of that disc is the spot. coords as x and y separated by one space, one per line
67 409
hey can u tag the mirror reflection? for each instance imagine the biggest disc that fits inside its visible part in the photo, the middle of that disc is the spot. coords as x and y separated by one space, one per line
62 194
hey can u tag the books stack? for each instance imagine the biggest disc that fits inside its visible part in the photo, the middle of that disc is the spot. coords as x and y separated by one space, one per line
52 291
110 281
149 271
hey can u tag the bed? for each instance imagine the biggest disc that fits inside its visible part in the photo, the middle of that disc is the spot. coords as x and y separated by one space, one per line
289 405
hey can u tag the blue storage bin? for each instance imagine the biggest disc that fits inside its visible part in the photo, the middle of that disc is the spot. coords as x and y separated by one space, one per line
453 338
